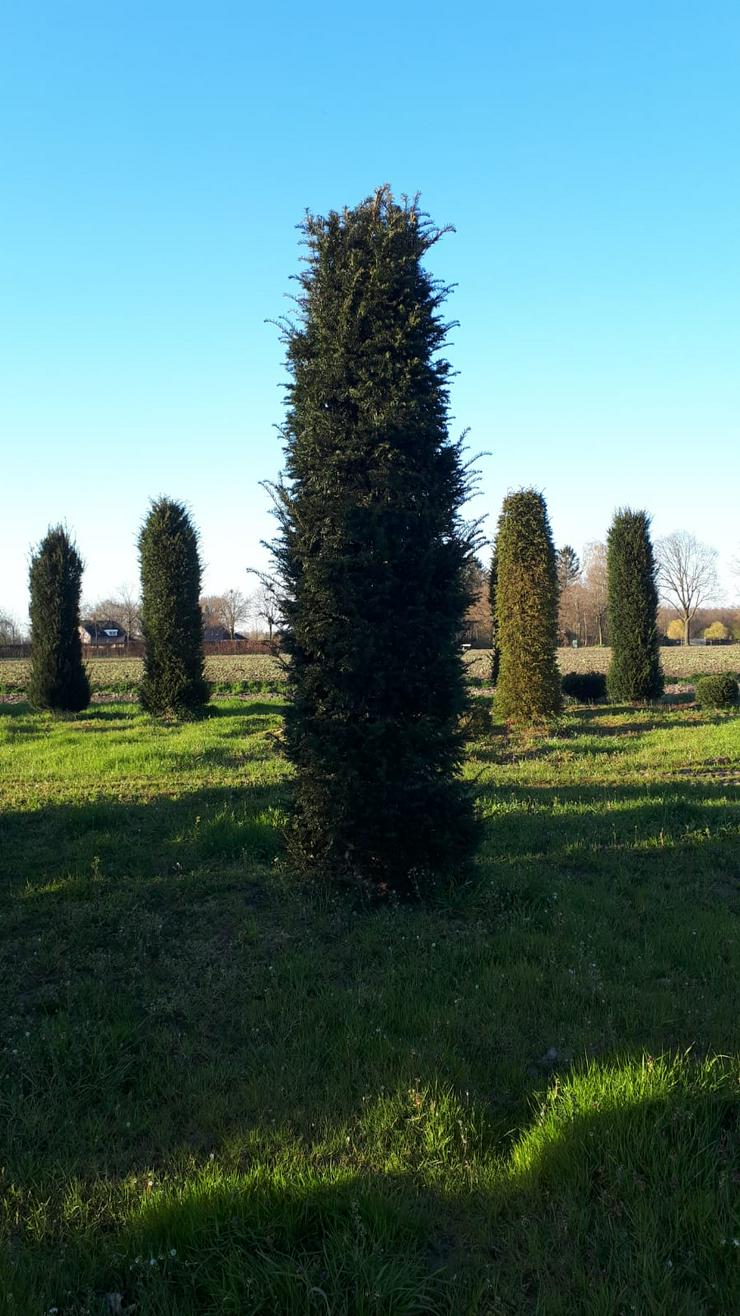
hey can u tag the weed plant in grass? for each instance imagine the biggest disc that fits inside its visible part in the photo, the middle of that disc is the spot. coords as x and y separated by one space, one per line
221 1092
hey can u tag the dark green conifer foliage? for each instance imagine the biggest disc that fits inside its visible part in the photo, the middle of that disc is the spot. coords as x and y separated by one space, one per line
58 677
171 619
492 587
634 671
528 686
372 557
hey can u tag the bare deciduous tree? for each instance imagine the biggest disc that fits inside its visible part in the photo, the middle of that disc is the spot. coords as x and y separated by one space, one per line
735 567
210 606
123 607
266 607
226 610
128 606
235 608
596 588
571 619
570 610
687 575
478 622
10 631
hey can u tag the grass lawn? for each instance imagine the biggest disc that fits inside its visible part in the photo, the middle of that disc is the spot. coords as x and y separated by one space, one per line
223 1092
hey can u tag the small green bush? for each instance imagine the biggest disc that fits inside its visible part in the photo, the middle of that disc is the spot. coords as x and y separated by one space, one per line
586 687
717 691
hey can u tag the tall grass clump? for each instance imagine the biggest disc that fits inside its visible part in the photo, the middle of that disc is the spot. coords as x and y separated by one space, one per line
528 686
171 619
372 556
58 679
634 672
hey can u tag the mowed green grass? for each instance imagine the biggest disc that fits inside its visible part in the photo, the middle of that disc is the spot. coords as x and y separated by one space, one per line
222 1091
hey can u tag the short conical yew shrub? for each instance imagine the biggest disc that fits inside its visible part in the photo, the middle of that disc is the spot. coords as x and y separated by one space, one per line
171 619
634 672
528 686
373 558
58 677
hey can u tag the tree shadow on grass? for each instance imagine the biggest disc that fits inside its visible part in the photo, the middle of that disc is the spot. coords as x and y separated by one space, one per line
40 723
643 829
571 824
617 1196
239 707
140 839
658 717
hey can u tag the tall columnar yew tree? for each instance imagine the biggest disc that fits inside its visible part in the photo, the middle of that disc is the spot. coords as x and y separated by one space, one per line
171 619
634 671
372 555
492 588
528 686
58 676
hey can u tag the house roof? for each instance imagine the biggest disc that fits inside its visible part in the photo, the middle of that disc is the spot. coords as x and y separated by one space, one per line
216 634
104 630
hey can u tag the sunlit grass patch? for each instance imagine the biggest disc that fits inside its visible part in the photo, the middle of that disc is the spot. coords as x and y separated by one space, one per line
622 1179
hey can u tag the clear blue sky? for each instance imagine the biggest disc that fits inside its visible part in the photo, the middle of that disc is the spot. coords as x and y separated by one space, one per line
155 158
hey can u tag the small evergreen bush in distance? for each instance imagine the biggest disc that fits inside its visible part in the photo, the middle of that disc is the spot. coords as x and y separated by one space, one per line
373 559
586 687
635 671
58 678
717 691
528 686
171 619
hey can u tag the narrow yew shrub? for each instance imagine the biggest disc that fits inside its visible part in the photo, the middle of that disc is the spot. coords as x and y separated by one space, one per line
373 558
634 672
528 686
171 619
58 678
492 588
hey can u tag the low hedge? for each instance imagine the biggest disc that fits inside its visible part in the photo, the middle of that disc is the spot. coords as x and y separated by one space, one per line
717 691
586 687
